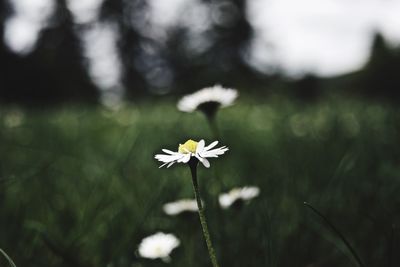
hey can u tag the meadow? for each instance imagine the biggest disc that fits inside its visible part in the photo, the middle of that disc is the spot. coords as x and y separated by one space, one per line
79 186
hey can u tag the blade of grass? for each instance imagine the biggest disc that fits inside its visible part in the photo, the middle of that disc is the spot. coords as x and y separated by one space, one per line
12 264
338 233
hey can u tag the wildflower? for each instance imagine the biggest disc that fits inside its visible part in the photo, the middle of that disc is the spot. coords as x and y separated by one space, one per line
174 208
159 245
208 100
245 193
191 150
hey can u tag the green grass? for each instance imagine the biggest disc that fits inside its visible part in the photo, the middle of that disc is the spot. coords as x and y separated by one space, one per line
80 187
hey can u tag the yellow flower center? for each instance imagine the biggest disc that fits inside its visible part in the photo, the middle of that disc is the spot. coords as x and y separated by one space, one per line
188 146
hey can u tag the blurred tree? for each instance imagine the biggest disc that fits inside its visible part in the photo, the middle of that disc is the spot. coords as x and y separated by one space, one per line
126 14
222 59
4 54
4 10
230 35
380 77
53 72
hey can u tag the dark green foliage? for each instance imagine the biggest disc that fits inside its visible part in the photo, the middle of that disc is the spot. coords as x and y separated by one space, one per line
80 187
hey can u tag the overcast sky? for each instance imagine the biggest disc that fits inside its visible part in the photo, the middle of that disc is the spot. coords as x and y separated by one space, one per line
327 37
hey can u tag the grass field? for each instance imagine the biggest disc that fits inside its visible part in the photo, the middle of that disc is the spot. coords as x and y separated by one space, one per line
80 186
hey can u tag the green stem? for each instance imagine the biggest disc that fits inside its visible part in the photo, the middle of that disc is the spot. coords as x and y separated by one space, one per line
212 121
206 234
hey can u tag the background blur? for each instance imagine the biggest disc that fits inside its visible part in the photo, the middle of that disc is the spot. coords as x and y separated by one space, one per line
88 92
111 50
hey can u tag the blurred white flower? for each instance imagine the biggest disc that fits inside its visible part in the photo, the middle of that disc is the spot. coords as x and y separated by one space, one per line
159 245
208 99
245 193
191 149
179 206
14 118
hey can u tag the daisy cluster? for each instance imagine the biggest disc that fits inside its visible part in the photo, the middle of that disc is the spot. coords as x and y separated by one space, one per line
160 245
225 200
207 100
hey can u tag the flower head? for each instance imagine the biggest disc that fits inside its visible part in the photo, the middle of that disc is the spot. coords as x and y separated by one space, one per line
159 245
191 150
245 193
208 99
179 206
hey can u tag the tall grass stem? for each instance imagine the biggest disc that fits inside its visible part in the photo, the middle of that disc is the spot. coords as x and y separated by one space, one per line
12 264
338 233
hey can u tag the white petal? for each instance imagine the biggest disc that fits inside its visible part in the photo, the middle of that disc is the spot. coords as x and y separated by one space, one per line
200 146
225 201
249 192
169 151
162 165
170 164
198 157
185 158
206 163
163 158
179 206
214 153
213 144
168 158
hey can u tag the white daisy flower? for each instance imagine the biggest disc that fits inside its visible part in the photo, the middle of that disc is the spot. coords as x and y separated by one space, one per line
159 245
179 206
208 99
245 193
191 150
